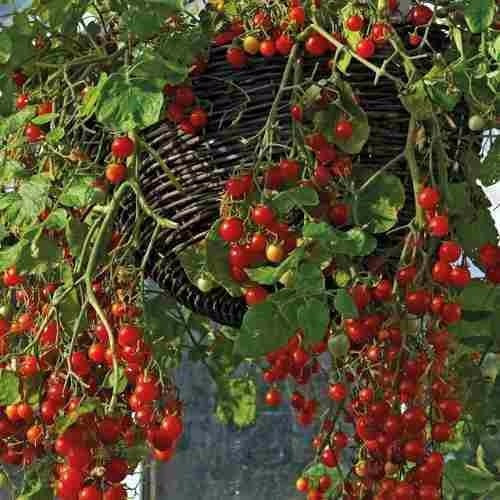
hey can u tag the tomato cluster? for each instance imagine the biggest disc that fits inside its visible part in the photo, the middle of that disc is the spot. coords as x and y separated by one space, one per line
65 413
183 109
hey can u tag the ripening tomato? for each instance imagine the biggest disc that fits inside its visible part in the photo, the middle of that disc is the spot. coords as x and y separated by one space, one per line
236 57
122 147
316 45
251 45
366 48
267 48
231 229
284 44
198 118
116 173
33 132
355 23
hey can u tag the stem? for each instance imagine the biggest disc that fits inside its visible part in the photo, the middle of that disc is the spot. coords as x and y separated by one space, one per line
340 46
413 166
162 163
89 273
161 221
388 165
267 129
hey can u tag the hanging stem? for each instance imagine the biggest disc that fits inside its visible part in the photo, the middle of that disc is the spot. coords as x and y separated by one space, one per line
340 46
411 160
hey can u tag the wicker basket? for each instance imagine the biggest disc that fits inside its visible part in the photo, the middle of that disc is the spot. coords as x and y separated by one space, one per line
241 102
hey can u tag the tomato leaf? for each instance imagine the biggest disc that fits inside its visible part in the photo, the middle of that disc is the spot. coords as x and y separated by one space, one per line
417 102
309 278
479 14
490 168
475 229
64 422
480 295
217 265
269 325
76 232
354 242
314 317
268 275
301 197
236 401
5 47
117 377
34 194
345 305
129 105
378 205
9 388
80 192
16 122
162 320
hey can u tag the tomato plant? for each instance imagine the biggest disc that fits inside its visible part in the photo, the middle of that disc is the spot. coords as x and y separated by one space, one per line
377 283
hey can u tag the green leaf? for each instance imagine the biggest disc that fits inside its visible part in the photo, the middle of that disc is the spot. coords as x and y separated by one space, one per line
301 197
354 242
236 401
217 265
69 311
325 120
309 278
76 232
81 192
417 102
490 168
126 106
9 388
136 454
15 123
5 47
11 170
92 97
468 478
269 325
37 490
117 377
345 305
55 135
162 320
479 14
441 88
314 315
379 203
194 263
7 92
34 193
475 229
58 219
480 295
45 118
64 422
269 275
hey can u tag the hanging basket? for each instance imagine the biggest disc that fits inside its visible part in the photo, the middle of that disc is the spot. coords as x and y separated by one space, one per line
241 101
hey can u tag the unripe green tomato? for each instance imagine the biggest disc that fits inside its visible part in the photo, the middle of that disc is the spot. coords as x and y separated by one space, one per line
339 346
204 284
5 311
476 123
342 278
